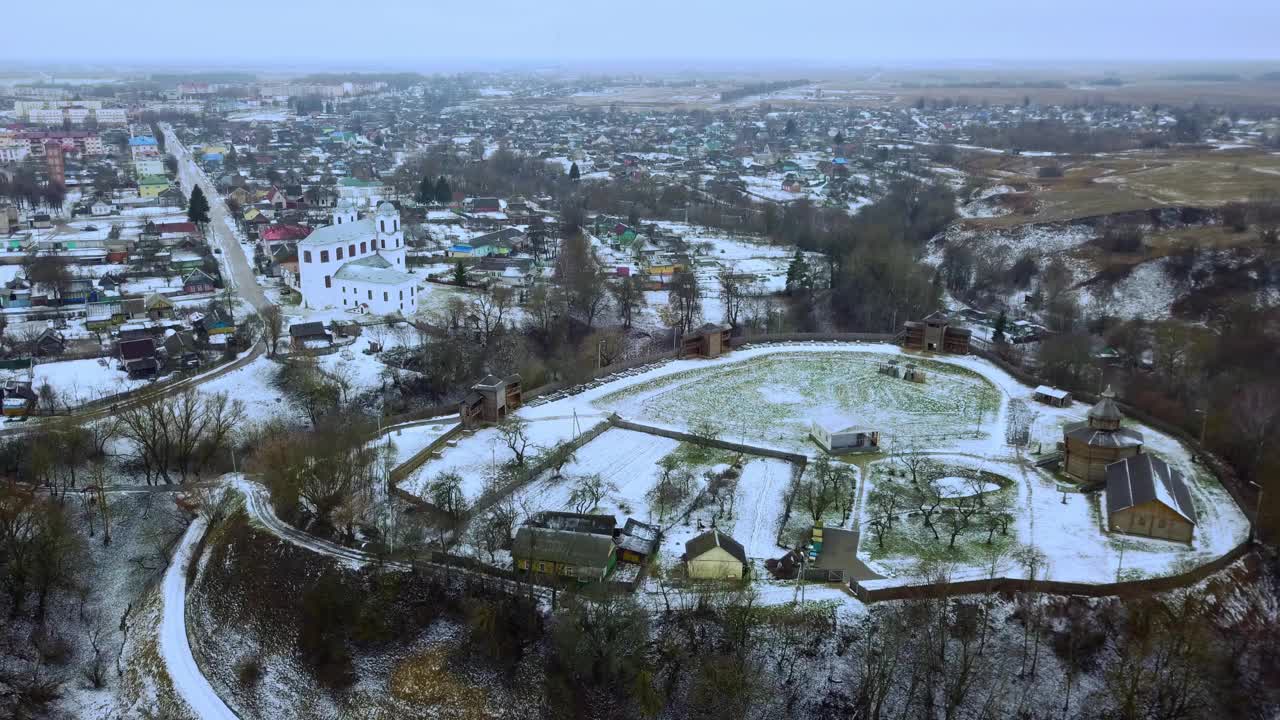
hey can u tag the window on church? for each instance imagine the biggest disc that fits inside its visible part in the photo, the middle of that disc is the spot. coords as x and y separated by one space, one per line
401 294
382 225
324 256
370 294
384 243
351 250
339 253
328 281
385 297
306 256
362 249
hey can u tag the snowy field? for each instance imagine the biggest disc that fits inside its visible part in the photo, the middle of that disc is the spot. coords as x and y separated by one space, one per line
76 382
779 395
251 385
776 390
408 440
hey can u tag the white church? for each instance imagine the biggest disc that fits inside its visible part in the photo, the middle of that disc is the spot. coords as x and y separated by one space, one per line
357 264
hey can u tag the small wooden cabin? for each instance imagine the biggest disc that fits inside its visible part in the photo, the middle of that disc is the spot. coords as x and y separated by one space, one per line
714 556
708 341
1052 396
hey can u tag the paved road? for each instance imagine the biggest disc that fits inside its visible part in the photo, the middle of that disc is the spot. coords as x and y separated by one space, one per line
190 174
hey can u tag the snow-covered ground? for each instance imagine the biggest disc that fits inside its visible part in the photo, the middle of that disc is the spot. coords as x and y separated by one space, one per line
775 390
189 682
76 382
252 385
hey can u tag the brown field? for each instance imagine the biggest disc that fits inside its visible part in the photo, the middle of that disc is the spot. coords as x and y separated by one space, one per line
1106 184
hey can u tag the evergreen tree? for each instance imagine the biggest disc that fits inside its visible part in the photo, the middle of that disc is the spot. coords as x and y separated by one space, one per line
839 138
459 274
790 128
574 172
444 193
798 275
198 207
426 191
1001 323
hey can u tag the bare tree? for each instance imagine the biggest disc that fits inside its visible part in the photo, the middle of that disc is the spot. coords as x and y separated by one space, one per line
514 431
273 325
589 491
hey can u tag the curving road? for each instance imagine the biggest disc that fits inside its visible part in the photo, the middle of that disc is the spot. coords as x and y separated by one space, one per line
175 648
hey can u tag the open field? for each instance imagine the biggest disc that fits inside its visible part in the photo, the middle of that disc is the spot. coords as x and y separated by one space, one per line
1123 182
777 397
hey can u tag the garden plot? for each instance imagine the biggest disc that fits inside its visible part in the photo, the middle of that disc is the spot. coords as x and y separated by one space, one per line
630 465
627 463
480 455
778 396
76 382
410 440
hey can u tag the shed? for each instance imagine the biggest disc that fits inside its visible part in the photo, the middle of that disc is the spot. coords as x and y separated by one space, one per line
846 440
1051 396
714 556
309 334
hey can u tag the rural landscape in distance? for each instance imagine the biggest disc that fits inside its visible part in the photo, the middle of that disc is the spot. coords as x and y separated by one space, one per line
687 361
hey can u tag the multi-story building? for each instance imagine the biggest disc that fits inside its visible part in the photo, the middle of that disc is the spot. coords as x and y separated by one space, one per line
55 162
81 141
145 165
77 112
143 145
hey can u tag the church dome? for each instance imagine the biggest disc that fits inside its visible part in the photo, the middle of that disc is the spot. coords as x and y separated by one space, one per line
386 208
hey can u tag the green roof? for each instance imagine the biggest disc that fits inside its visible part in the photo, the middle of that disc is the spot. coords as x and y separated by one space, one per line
357 182
153 180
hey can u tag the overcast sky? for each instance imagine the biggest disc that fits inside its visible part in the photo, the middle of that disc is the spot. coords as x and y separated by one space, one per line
426 33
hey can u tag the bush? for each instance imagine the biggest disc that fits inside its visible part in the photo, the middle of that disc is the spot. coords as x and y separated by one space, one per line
1122 239
249 671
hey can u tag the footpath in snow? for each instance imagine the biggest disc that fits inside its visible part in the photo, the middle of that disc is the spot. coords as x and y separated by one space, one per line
175 649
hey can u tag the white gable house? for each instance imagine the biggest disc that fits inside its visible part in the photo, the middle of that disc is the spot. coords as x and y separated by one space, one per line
357 264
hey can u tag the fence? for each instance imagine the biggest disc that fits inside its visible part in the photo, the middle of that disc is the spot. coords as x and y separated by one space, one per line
528 474
406 468
1128 588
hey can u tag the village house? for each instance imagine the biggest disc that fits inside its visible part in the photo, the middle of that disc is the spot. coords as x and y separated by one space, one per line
1052 396
18 398
709 341
847 440
138 357
309 336
714 556
549 553
1144 496
197 281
